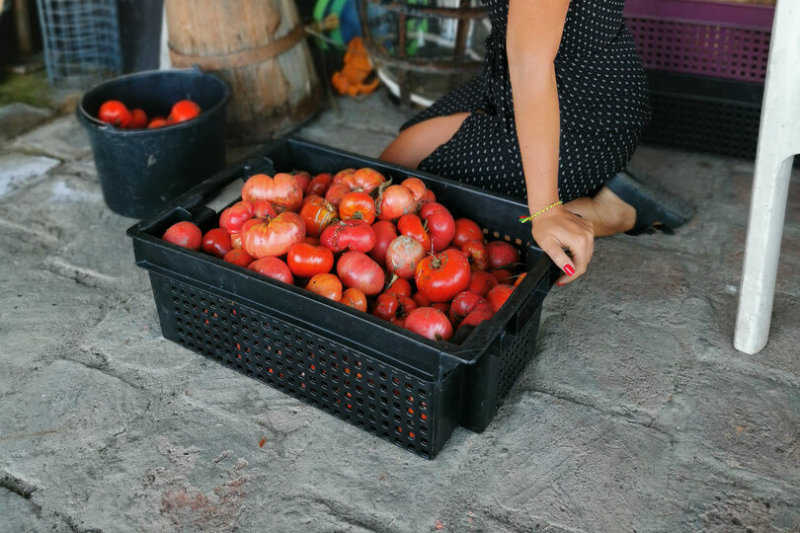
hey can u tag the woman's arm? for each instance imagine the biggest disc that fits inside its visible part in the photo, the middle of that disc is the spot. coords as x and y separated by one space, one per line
532 41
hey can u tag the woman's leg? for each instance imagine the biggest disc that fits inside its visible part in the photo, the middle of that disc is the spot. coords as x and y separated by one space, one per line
417 142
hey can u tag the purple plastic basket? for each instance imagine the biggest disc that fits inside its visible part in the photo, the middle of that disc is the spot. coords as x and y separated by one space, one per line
721 40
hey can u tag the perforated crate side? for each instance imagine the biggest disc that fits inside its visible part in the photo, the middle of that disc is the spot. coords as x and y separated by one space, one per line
353 386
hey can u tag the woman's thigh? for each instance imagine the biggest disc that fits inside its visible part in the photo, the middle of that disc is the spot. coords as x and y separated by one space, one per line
417 142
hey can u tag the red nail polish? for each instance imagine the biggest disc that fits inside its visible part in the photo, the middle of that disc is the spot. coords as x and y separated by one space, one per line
569 269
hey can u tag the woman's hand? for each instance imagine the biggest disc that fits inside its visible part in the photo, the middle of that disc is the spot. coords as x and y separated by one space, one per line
559 231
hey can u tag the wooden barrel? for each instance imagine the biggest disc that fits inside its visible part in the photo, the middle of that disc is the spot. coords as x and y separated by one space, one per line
259 48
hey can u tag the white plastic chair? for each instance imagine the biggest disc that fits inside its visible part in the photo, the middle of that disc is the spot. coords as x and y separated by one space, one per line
778 142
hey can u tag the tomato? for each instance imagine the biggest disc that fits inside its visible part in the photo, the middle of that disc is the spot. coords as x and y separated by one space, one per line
466 230
427 197
498 295
403 255
351 234
335 193
362 179
283 191
317 213
428 209
184 110
238 256
519 279
464 303
358 205
354 298
477 254
416 186
232 218
503 275
429 322
319 184
138 119
326 285
303 178
115 113
393 307
272 267
477 316
502 254
441 227
157 122
412 226
394 202
263 209
236 236
217 242
400 286
357 269
185 234
305 260
274 237
441 276
481 281
385 232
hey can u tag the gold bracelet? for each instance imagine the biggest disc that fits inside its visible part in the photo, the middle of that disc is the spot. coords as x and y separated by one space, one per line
540 211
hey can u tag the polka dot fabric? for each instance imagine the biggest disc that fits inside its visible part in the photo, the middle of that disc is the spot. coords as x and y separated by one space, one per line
603 103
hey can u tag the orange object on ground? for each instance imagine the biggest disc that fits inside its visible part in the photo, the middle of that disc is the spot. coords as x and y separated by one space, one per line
350 80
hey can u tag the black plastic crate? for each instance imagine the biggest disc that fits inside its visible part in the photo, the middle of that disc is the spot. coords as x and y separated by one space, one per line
393 383
704 114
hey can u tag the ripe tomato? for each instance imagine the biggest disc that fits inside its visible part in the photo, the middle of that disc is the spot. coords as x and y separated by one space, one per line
306 260
466 230
275 237
429 322
464 303
357 205
520 278
115 113
400 286
184 110
440 225
157 122
362 179
351 234
185 234
502 254
354 298
272 267
138 119
232 218
477 254
282 190
412 226
403 255
503 275
416 186
238 256
385 232
427 210
319 184
335 193
357 269
498 295
327 285
477 316
236 236
217 242
441 276
303 178
393 307
481 281
317 213
394 202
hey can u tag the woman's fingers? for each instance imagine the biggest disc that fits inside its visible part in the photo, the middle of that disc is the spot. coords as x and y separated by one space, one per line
569 241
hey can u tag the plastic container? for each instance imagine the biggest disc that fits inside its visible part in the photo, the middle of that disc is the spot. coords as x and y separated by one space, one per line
390 382
139 170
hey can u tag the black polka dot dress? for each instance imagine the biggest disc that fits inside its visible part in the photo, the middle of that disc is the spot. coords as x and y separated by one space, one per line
603 103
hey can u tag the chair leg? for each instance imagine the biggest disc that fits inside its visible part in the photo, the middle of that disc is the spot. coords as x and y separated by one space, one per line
764 231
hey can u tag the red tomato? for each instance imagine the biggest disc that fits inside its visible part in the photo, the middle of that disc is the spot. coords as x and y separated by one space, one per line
403 255
357 269
428 209
412 226
283 191
275 237
394 202
427 197
238 256
385 232
115 113
430 323
481 281
498 295
502 254
303 178
477 254
477 316
184 110
138 119
318 214
305 260
217 242
466 230
263 209
319 184
400 286
327 285
335 193
272 267
503 275
236 236
232 218
354 298
358 205
520 278
185 234
351 234
443 275
362 179
441 227
157 122
393 307
464 303
416 186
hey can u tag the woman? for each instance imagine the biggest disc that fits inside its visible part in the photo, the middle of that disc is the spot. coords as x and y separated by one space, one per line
555 117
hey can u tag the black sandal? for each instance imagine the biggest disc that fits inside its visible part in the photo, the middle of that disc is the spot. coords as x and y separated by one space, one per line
655 209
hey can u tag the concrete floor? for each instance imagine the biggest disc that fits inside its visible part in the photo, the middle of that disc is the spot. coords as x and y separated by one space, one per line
637 414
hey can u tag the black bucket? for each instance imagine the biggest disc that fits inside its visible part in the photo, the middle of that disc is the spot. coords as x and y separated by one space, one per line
140 170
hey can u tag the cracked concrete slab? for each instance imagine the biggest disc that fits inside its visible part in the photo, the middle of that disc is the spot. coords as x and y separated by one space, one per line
18 117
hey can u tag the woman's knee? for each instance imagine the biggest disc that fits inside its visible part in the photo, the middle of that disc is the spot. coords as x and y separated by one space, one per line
417 142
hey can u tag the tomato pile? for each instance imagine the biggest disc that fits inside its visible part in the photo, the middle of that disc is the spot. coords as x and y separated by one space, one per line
119 115
387 249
